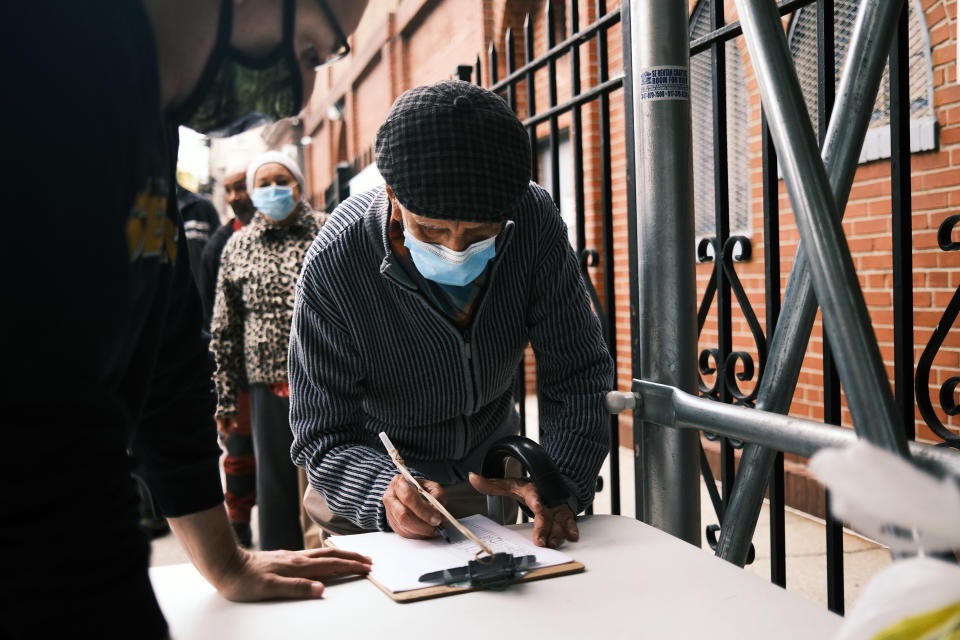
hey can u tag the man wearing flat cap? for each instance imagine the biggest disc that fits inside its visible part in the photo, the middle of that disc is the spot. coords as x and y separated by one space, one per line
412 313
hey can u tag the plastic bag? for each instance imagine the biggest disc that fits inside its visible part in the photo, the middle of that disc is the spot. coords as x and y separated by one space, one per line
888 499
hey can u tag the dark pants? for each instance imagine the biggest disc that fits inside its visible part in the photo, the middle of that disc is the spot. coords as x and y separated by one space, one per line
278 496
239 466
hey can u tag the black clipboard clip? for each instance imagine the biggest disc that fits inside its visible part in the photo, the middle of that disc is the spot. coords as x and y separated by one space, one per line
494 572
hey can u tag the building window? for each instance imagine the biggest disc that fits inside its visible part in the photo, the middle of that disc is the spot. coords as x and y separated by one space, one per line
738 149
568 206
802 37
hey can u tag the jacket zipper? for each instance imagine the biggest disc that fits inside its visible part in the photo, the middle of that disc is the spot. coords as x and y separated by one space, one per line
463 422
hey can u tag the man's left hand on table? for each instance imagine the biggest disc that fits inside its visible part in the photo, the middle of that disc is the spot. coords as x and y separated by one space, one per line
551 525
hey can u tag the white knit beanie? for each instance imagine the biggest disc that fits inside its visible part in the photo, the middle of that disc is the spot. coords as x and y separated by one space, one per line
280 158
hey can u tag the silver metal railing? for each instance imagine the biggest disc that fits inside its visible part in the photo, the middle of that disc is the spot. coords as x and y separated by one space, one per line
666 407
857 92
668 476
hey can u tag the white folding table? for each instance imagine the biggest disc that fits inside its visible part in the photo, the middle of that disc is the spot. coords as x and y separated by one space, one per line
639 583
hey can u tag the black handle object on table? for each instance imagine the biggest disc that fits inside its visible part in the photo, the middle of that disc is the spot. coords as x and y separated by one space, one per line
494 572
536 465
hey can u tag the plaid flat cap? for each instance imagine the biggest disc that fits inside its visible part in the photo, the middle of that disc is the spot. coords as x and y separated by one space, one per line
454 151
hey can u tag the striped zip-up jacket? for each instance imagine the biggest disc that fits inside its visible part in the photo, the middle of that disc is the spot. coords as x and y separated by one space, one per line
368 353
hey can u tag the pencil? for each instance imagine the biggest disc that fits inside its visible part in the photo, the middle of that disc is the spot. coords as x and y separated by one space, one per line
398 461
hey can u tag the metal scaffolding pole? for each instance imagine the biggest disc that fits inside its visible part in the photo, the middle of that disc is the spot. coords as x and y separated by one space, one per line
873 32
667 469
668 406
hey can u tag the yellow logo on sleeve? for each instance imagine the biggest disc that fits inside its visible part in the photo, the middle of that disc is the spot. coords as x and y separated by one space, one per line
150 232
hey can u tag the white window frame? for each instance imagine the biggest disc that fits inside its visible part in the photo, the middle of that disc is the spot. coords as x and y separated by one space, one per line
924 130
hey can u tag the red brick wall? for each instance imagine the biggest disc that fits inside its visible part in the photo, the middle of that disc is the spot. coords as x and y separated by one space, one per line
867 224
371 103
437 41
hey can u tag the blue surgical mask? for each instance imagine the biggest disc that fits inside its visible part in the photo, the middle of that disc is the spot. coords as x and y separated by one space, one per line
446 266
275 202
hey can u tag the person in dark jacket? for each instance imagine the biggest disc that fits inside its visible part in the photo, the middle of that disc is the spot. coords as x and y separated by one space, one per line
102 338
237 198
413 310
200 220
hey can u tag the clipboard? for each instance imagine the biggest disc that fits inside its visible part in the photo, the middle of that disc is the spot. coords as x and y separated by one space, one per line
441 590
399 563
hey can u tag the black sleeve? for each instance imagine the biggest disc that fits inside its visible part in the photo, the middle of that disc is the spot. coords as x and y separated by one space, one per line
176 443
200 220
85 97
208 269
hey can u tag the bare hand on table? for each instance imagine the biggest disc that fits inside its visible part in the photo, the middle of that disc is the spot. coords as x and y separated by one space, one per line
551 525
409 513
243 576
267 575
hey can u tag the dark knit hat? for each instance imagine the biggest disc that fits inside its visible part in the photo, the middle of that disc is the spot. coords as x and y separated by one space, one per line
454 151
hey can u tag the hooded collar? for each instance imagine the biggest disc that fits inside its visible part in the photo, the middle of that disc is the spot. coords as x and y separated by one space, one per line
376 224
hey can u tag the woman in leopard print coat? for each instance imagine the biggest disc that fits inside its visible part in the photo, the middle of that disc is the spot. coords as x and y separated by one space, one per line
251 330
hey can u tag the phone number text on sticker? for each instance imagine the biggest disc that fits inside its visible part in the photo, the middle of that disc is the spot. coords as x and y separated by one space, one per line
665 83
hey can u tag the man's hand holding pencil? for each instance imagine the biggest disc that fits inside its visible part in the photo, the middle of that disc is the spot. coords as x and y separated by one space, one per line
413 515
409 513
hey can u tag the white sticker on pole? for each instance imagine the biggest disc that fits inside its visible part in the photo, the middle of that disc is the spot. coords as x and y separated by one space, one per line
664 83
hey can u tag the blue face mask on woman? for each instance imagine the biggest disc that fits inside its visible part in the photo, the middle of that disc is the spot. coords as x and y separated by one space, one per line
275 202
446 266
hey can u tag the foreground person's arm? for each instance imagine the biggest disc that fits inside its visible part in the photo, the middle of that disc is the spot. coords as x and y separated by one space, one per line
244 576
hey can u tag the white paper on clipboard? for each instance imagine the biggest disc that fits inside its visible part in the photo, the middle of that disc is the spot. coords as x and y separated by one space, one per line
399 562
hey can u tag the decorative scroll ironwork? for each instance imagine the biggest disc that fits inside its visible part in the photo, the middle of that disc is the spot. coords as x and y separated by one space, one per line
735 249
712 530
949 387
